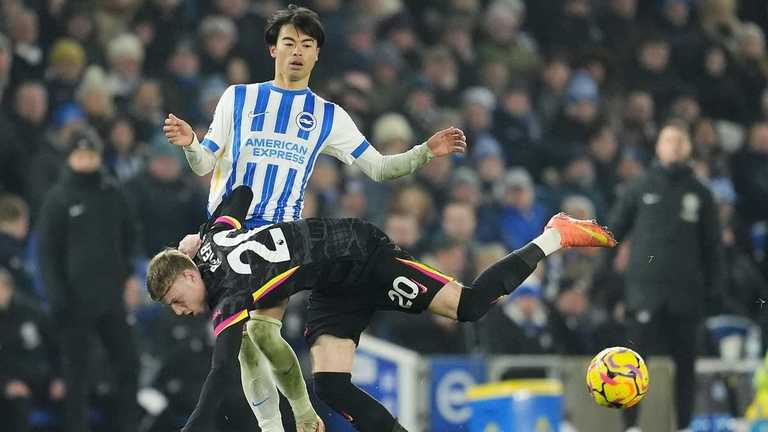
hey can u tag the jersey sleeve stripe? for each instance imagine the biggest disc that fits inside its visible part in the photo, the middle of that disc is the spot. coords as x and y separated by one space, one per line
232 320
228 220
273 283
309 107
434 274
328 109
262 98
284 113
238 119
283 200
266 191
210 145
360 149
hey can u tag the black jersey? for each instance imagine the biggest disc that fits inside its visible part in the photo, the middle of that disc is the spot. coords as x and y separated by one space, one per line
250 269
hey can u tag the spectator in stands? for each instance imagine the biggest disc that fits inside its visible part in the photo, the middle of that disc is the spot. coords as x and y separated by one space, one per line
743 280
750 176
404 230
752 68
574 28
570 321
686 40
488 161
430 334
96 99
181 83
29 359
580 113
519 324
604 153
478 105
218 36
161 24
550 88
638 129
517 126
517 218
504 40
146 111
620 28
66 63
168 205
122 156
86 247
720 95
125 55
14 228
28 54
652 71
465 188
11 147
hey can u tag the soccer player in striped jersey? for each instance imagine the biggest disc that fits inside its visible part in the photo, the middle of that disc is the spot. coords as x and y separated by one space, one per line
353 270
268 135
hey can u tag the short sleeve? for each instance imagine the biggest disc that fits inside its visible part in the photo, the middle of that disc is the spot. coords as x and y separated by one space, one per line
230 311
346 143
220 132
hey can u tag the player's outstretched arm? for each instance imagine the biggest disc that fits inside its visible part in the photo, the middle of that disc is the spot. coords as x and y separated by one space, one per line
180 133
443 143
224 364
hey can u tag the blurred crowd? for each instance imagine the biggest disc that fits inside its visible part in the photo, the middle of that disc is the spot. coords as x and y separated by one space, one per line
561 102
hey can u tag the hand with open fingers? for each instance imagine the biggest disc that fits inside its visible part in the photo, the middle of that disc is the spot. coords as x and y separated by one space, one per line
178 131
447 141
315 426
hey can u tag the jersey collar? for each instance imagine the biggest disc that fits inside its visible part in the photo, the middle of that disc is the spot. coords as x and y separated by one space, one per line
272 86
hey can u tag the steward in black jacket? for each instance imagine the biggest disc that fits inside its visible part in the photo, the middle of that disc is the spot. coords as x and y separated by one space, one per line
675 271
87 238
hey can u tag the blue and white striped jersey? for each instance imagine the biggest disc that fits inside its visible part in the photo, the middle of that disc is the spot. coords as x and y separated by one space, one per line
268 138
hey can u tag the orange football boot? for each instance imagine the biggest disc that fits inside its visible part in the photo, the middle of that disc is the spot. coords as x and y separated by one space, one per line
580 233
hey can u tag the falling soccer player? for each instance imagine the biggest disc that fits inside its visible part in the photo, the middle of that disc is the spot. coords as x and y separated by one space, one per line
353 270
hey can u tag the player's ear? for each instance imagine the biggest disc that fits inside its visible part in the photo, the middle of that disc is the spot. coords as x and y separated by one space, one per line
273 51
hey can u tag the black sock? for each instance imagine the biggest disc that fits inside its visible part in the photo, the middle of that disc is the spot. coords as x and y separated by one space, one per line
363 411
498 280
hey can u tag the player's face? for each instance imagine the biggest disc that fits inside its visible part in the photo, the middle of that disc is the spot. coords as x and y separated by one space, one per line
672 146
295 53
187 294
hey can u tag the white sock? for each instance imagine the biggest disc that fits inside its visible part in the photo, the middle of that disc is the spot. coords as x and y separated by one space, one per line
548 241
259 387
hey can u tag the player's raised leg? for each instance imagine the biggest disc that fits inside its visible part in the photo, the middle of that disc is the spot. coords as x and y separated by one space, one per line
471 303
332 359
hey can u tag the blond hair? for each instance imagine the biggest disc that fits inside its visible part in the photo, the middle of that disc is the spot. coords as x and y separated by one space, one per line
163 269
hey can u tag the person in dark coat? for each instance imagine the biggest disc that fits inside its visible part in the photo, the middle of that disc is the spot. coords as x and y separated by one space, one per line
86 246
29 358
14 228
675 270
168 204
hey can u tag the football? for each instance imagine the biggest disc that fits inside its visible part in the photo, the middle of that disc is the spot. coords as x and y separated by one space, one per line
617 377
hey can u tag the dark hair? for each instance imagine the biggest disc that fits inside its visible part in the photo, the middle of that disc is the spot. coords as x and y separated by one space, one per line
302 18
